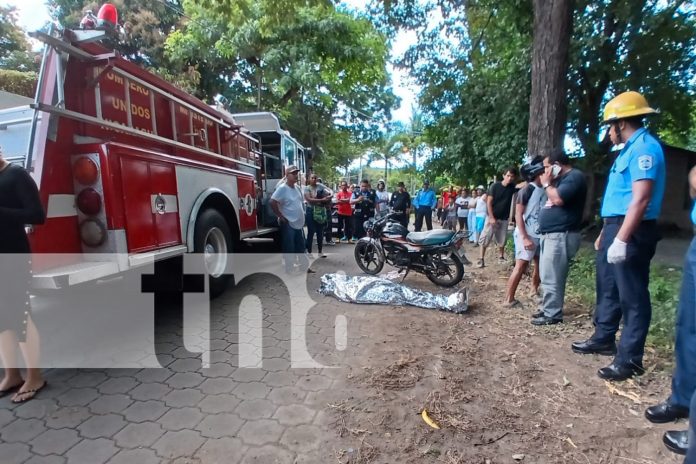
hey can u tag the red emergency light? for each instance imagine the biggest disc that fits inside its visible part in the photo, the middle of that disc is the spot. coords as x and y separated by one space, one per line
85 171
107 15
89 202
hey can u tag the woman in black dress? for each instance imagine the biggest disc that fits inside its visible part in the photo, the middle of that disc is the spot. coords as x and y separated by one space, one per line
19 205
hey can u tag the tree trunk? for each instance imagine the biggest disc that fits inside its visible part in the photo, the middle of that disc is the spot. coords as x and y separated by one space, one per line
259 82
553 22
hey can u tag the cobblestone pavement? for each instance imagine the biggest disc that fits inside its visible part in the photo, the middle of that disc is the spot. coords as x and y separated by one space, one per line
183 413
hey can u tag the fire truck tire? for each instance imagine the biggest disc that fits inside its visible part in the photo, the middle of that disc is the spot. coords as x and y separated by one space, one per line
213 240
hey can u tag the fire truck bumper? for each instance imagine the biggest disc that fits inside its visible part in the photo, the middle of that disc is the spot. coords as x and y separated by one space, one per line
65 276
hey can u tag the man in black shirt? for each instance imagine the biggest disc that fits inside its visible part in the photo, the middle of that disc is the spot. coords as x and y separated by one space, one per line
559 224
401 204
364 201
499 203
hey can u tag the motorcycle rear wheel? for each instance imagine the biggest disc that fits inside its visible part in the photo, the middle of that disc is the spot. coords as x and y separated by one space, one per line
449 269
367 257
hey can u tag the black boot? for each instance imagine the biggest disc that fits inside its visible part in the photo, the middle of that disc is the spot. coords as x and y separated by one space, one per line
677 441
666 412
590 346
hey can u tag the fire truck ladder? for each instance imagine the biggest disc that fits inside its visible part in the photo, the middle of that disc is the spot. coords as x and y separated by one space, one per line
61 46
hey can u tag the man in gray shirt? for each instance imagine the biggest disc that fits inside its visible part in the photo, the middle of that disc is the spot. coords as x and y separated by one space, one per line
287 203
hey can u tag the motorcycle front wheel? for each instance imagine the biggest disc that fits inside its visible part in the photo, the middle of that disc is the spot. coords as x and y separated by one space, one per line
446 269
368 258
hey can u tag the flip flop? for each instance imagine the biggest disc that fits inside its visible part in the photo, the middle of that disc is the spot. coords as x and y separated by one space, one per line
6 391
34 393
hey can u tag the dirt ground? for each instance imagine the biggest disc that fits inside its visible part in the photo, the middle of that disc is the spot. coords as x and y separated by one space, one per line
501 390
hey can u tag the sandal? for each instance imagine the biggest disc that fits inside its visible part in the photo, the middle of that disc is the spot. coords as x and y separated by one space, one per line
32 393
9 390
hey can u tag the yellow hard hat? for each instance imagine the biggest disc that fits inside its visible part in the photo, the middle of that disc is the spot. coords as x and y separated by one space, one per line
627 105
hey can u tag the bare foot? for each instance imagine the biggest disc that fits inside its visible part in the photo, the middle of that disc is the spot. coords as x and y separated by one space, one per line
28 391
8 383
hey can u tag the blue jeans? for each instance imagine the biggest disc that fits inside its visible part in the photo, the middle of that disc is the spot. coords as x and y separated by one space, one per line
684 377
622 292
293 243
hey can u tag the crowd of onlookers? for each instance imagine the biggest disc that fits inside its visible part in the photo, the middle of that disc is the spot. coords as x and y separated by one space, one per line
548 210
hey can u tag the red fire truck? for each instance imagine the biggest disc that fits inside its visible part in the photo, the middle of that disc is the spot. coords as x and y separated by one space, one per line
132 169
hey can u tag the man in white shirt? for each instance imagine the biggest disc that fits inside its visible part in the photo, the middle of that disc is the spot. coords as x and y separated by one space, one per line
287 203
382 205
462 203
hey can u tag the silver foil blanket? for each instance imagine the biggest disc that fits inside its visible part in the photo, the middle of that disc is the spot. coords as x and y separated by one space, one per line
371 290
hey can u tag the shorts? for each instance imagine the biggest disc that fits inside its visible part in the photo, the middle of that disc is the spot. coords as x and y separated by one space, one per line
480 222
15 306
497 231
520 251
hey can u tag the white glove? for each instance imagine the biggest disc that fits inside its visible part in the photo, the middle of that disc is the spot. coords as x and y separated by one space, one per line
617 252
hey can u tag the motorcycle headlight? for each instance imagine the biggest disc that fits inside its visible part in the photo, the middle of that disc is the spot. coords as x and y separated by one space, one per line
367 225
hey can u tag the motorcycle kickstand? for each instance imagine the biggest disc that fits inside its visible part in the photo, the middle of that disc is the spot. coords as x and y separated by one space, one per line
405 274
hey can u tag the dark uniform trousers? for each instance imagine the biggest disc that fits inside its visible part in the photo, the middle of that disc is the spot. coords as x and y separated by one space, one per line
401 218
684 376
622 291
421 213
358 221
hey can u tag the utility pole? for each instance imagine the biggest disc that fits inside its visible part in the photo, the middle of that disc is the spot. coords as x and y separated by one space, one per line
360 170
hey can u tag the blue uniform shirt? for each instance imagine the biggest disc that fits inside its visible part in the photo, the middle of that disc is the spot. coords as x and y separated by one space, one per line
425 198
693 214
641 158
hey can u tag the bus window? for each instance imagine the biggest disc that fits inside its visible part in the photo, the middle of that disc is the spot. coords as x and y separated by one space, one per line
301 159
288 151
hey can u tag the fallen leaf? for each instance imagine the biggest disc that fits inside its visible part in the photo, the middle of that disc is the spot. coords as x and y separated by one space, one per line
630 395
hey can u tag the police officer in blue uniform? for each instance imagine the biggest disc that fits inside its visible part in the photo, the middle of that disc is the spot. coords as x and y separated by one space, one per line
683 395
424 203
628 239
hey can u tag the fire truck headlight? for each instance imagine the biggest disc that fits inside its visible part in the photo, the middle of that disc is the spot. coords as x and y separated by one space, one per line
92 232
85 171
89 202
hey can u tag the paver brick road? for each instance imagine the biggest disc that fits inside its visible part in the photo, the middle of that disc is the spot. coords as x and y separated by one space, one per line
184 413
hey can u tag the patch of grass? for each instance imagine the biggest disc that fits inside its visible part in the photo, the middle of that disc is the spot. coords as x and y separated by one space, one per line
665 283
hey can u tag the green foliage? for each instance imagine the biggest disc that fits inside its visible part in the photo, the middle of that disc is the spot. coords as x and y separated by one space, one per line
473 67
581 278
147 25
305 60
664 289
310 63
19 82
15 50
620 45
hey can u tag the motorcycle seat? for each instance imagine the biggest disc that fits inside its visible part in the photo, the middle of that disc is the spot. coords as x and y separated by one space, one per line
431 237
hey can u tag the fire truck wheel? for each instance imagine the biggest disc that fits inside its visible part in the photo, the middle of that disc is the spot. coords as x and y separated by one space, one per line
213 240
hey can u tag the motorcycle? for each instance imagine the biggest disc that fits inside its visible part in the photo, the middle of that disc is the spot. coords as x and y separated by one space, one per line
438 254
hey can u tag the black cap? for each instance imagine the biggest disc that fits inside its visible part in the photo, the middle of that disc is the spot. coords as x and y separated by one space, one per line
426 181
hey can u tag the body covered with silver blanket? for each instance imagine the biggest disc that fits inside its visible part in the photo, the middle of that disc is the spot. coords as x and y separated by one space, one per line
376 290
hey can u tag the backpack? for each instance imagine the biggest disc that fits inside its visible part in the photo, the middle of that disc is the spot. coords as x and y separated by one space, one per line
319 214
